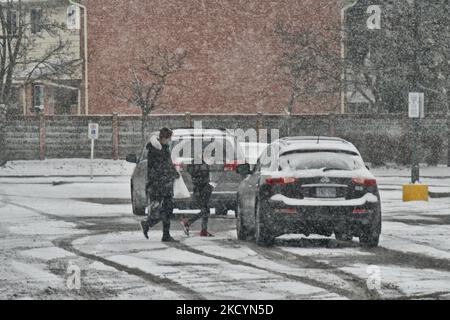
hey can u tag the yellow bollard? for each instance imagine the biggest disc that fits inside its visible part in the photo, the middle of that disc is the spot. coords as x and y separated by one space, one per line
415 192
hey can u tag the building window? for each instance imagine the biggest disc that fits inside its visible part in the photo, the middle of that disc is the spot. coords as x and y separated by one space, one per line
359 107
38 97
12 22
36 20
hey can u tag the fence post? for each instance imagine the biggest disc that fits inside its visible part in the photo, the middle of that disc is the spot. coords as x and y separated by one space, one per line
3 142
115 136
332 124
42 147
188 120
258 125
448 140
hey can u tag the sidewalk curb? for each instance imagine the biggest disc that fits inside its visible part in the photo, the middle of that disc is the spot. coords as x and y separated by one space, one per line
64 176
439 195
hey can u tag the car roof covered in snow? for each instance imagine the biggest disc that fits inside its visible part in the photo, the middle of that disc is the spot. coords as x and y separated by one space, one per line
315 143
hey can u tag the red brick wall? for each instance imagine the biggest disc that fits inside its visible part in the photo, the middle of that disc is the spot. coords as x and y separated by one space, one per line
233 51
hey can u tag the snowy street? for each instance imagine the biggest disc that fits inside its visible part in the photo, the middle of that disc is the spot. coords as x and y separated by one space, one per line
50 230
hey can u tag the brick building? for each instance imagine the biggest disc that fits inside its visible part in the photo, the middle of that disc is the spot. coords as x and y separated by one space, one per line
37 85
234 53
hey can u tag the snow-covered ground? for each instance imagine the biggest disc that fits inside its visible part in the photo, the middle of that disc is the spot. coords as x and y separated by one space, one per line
66 167
49 230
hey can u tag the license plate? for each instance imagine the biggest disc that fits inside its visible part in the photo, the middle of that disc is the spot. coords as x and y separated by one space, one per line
326 192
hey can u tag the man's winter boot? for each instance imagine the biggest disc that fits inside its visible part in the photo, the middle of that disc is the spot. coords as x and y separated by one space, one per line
168 238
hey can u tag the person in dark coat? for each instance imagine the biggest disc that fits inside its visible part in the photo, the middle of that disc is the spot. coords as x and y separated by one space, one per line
161 174
202 194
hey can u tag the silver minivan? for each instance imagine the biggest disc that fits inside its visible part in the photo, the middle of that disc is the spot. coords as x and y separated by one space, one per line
221 151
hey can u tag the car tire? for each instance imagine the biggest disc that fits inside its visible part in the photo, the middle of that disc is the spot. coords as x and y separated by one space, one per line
221 211
263 233
137 210
343 236
370 236
241 229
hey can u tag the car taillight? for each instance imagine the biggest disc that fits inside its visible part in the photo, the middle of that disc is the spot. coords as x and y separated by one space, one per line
360 211
280 181
287 210
364 182
232 165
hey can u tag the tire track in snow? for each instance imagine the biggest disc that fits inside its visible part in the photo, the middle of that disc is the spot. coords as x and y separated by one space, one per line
380 256
66 244
305 280
410 259
187 293
290 259
4 200
359 284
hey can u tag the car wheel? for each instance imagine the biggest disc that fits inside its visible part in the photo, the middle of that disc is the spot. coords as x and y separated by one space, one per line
242 231
137 210
263 234
341 236
370 236
221 211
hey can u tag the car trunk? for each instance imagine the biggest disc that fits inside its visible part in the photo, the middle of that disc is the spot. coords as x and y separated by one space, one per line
321 188
220 176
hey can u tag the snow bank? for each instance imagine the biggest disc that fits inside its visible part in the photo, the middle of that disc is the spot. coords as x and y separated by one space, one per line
393 170
66 167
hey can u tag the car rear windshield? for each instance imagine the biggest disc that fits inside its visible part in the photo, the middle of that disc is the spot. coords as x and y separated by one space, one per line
219 149
326 160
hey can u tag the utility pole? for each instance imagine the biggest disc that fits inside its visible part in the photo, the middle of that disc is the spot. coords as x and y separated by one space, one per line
344 56
415 171
86 65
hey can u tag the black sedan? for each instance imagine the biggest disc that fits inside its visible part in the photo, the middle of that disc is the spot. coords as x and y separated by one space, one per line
309 185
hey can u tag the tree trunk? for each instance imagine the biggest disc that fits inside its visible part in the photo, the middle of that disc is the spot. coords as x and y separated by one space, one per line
143 128
3 155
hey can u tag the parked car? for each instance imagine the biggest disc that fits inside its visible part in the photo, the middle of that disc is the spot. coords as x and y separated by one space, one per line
309 185
252 151
222 168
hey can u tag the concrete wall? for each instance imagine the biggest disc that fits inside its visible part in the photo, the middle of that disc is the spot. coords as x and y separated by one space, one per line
380 138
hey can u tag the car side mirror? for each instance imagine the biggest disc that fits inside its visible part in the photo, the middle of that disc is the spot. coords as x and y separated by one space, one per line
368 168
243 169
132 158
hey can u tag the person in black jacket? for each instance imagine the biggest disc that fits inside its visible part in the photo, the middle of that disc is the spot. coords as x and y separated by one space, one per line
202 194
161 174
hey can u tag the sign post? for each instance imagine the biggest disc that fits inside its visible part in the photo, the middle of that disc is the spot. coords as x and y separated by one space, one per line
73 17
416 112
93 135
416 191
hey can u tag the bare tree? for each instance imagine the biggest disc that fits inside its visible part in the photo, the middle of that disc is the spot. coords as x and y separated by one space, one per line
22 57
381 65
311 62
314 65
149 78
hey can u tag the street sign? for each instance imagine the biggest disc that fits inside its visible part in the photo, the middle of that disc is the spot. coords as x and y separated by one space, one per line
93 135
416 105
93 131
73 18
